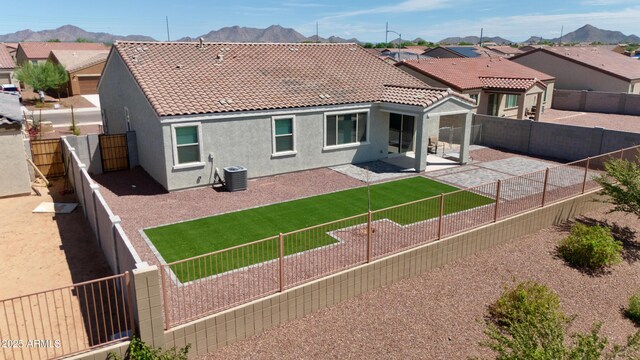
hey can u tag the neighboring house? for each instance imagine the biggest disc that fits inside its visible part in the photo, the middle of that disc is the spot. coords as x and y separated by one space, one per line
14 178
273 108
38 52
83 67
416 49
585 68
12 48
393 57
447 52
499 86
504 50
7 66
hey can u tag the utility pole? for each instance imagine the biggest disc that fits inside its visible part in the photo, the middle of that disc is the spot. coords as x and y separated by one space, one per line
386 34
481 36
167 21
317 36
561 35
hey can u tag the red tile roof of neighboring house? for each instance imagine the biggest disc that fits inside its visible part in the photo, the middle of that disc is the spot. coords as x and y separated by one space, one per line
41 50
466 74
416 49
185 78
510 83
11 46
596 58
422 96
6 62
505 49
77 60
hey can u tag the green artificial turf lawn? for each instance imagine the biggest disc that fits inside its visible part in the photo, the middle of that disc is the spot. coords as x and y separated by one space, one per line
202 236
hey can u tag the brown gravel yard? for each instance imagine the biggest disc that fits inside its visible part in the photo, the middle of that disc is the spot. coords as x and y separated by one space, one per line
589 119
438 315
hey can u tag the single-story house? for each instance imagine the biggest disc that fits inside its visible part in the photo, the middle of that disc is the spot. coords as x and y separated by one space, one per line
7 66
14 178
499 86
447 52
585 68
83 67
272 108
38 52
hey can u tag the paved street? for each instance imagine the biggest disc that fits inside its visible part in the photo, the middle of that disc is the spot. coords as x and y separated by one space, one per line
61 118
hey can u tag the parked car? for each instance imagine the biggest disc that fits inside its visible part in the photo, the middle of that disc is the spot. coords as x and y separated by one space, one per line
12 89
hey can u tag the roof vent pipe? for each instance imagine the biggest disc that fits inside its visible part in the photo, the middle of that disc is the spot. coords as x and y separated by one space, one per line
201 45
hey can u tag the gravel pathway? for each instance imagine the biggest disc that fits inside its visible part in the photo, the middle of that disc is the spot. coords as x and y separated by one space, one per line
438 315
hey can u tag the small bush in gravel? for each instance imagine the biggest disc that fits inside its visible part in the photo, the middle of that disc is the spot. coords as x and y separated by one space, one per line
525 300
526 322
590 247
633 311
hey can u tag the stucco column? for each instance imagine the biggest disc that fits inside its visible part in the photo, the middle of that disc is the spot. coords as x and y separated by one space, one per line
421 142
466 139
521 101
538 107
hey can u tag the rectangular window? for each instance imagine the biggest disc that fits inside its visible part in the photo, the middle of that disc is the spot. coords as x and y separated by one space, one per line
187 144
474 97
343 129
283 134
544 97
512 101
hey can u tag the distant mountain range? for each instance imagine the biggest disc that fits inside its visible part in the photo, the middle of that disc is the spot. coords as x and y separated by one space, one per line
69 33
474 40
272 34
589 34
279 34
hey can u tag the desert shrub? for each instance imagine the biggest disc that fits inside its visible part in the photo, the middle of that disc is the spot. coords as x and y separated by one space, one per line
139 350
526 322
590 247
633 311
525 300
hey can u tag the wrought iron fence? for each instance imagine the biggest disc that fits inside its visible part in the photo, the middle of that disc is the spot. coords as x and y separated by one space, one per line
209 283
67 320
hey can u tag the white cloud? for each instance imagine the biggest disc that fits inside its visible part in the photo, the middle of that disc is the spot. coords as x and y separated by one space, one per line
402 7
606 2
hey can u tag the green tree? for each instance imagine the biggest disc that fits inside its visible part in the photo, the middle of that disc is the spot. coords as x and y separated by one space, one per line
83 40
45 77
53 40
621 184
367 45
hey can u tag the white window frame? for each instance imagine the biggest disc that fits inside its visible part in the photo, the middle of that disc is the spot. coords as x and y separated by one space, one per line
506 101
174 145
275 153
349 145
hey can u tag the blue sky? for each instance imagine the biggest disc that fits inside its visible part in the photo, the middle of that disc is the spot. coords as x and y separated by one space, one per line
430 19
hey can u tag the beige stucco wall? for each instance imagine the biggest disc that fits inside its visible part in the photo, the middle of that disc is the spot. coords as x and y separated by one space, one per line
572 76
74 82
16 181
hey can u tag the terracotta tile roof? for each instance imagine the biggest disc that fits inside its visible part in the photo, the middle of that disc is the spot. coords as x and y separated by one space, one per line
505 49
183 78
77 60
510 83
466 74
6 62
41 50
416 49
597 58
11 46
418 96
